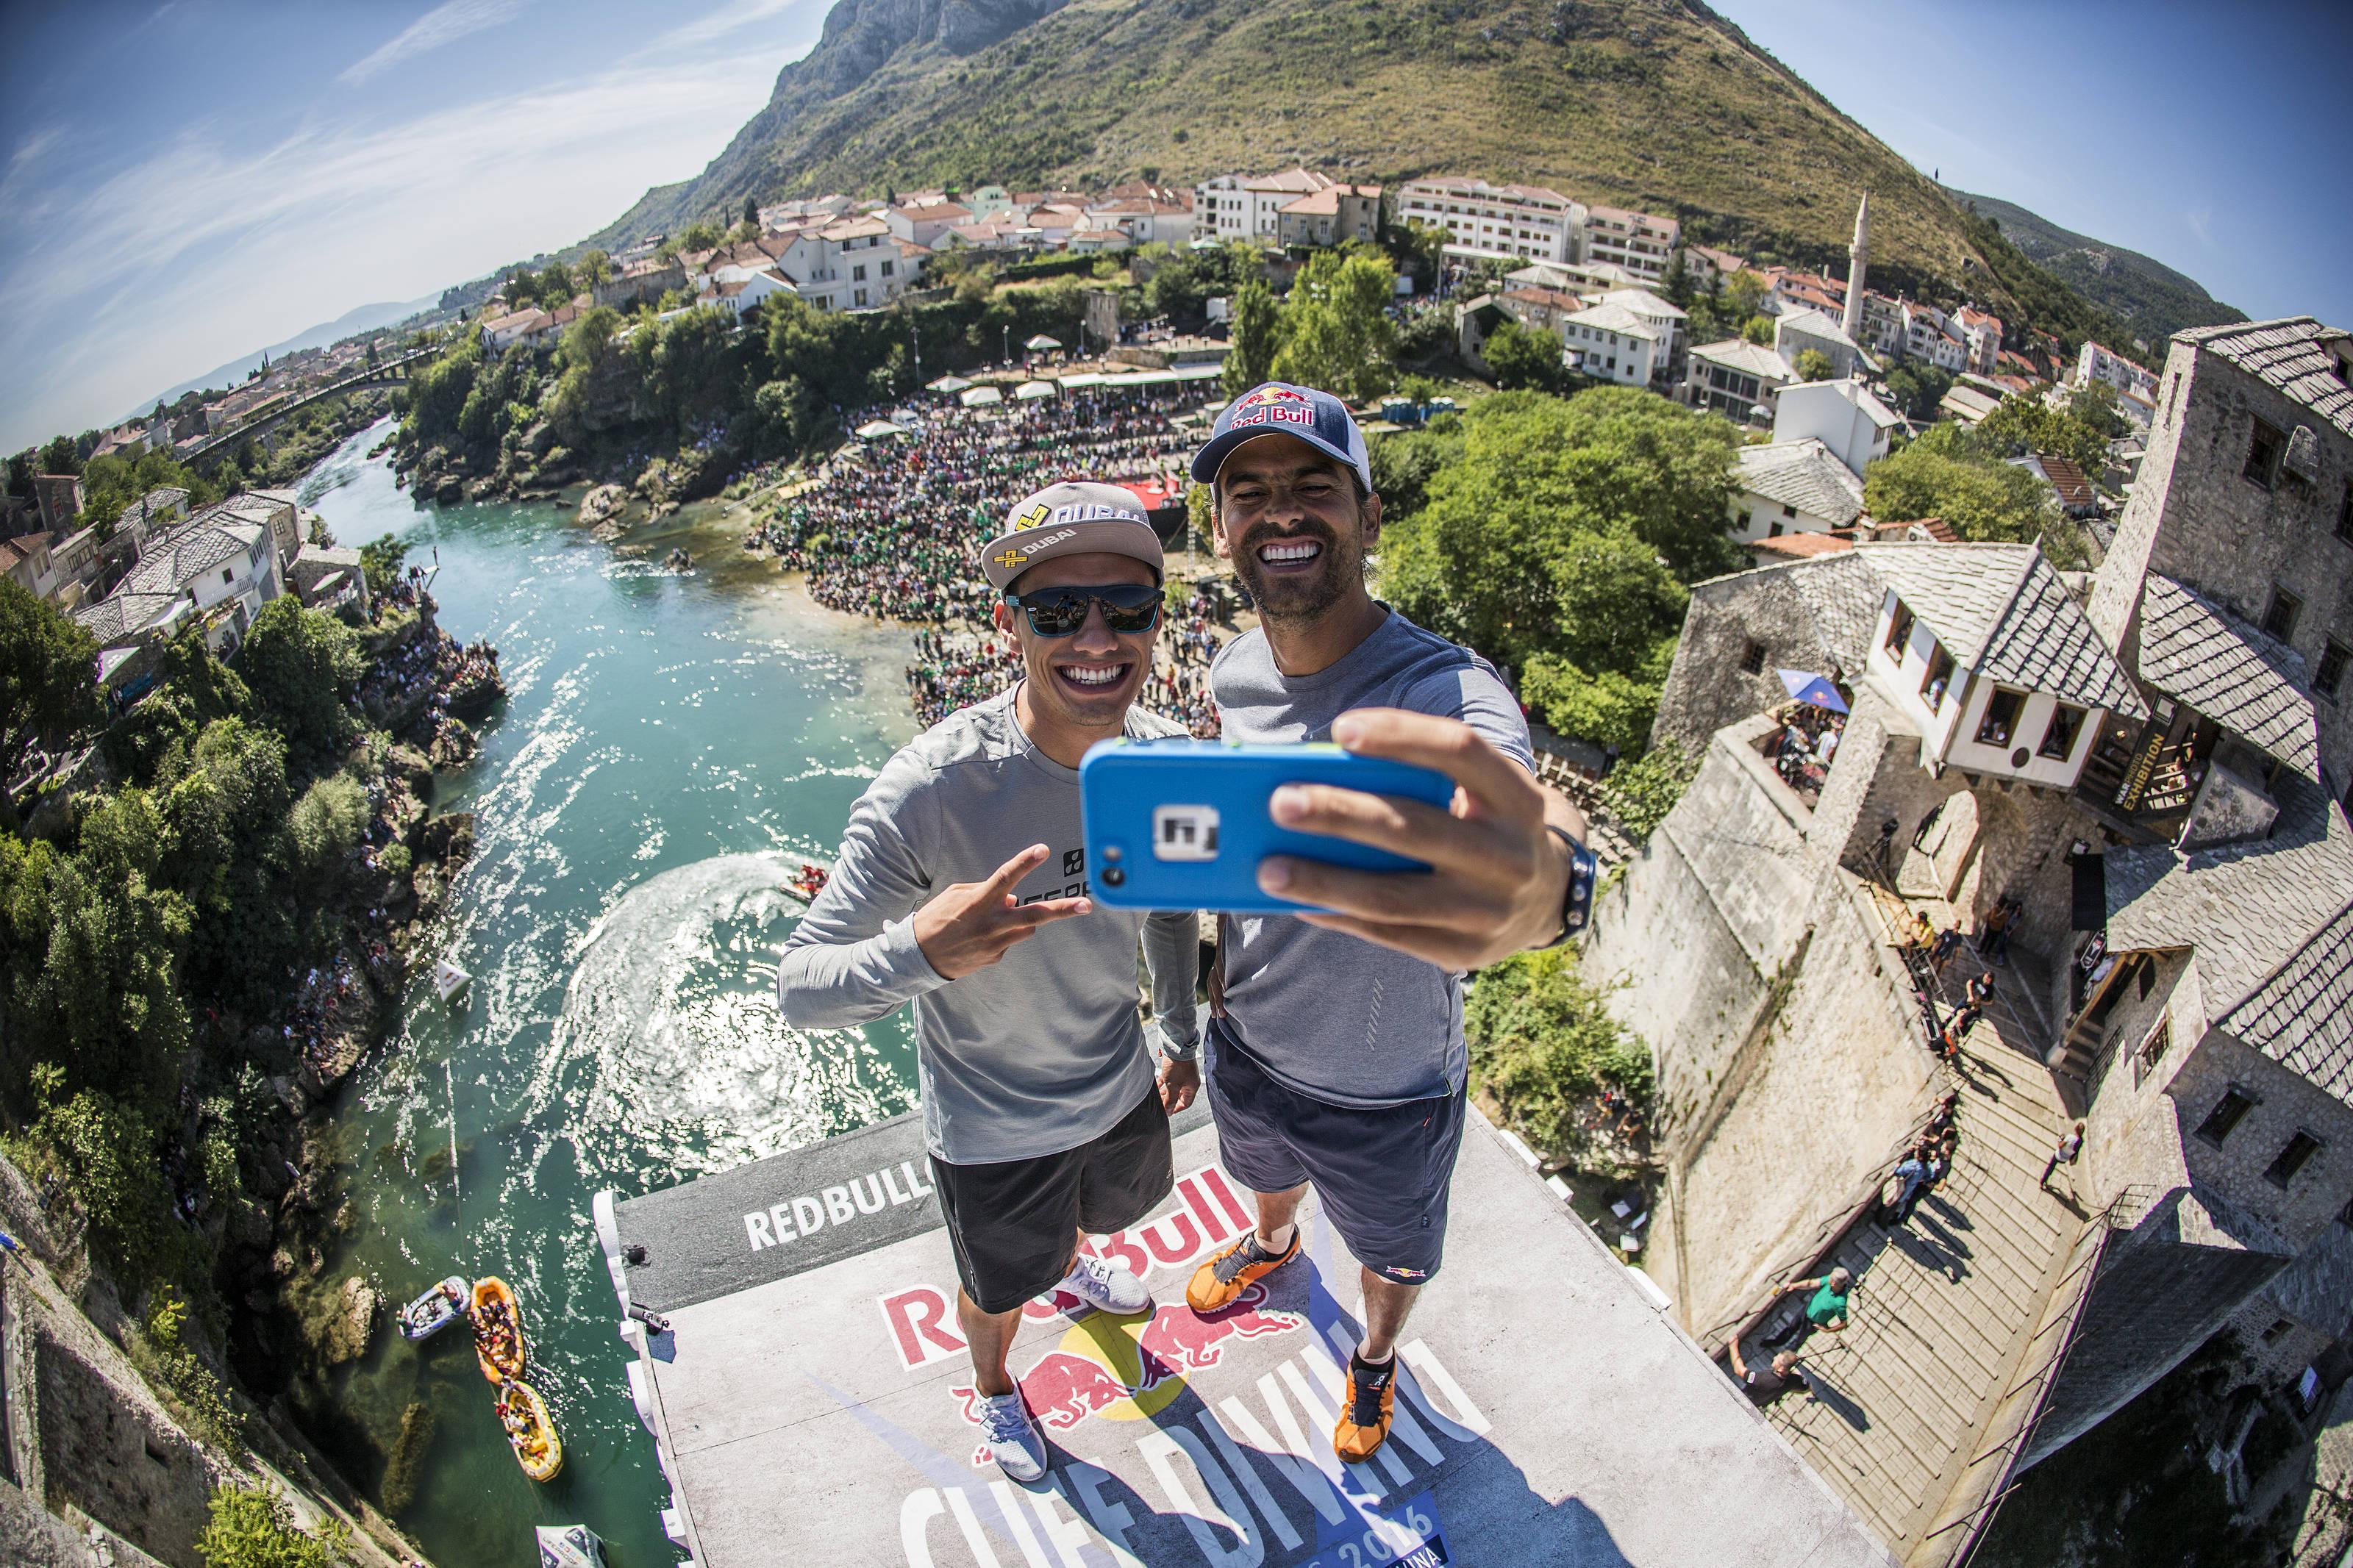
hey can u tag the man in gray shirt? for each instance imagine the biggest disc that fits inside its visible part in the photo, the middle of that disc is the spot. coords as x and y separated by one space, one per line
1337 1055
961 889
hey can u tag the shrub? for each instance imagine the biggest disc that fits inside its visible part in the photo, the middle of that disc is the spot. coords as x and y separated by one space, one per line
1542 1046
1640 793
253 1528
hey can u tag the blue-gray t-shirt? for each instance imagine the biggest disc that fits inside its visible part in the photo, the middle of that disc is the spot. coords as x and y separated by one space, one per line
1331 1015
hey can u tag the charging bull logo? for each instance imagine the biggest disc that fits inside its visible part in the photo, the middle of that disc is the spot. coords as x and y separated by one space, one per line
1270 394
1271 404
1129 1369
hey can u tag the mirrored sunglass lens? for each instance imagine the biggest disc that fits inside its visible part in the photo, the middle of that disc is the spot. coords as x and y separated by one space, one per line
1060 616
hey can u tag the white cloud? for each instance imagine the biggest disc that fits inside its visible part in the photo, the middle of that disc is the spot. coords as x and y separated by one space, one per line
731 17
2201 224
444 23
197 254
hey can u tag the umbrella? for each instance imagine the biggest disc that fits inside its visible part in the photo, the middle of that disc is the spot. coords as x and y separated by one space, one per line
1809 688
981 396
877 429
1041 342
946 384
1033 389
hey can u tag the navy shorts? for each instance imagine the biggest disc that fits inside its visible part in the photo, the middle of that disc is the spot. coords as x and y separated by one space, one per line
1382 1175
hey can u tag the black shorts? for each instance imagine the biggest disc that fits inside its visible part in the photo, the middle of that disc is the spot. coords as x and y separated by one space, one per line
1013 1222
1383 1175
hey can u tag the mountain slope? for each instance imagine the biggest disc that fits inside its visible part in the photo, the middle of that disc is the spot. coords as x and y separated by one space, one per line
1655 104
366 318
2144 294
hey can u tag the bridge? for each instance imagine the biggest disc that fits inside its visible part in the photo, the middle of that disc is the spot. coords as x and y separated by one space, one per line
389 372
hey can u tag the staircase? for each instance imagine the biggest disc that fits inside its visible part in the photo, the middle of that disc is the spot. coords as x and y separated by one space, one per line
1946 1310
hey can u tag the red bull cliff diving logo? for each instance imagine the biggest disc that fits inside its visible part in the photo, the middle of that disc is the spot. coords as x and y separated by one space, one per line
1275 404
1123 1369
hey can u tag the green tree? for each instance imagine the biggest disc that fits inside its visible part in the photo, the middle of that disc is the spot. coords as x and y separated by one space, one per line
701 235
48 676
1544 1047
1918 388
593 269
1418 250
20 474
1812 364
1254 335
255 1528
1758 330
1741 296
787 415
752 211
61 456
1336 332
380 564
105 1152
1525 357
1638 793
1986 500
301 667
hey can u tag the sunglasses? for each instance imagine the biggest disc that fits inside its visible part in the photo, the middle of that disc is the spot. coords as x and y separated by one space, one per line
1128 607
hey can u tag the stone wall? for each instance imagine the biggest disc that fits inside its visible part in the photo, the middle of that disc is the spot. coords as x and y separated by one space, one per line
1788 1068
2195 517
1771 617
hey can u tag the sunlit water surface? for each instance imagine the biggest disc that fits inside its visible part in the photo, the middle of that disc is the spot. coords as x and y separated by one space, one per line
670 747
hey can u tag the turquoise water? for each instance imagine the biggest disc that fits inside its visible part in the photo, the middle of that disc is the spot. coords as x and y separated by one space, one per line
672 746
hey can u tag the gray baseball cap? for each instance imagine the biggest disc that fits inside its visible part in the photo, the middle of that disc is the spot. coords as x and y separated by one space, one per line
1076 517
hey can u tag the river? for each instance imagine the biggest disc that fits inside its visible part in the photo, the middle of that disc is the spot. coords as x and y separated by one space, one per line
670 747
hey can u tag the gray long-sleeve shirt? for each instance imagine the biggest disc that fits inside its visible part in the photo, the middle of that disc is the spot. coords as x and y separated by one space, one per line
1042 1050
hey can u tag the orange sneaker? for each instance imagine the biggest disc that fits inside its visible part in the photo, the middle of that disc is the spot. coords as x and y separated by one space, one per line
1228 1273
1365 1412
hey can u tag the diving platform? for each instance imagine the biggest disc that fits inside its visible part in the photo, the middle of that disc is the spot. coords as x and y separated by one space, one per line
810 1400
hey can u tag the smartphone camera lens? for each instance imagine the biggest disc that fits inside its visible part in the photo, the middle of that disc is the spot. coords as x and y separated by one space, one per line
1114 877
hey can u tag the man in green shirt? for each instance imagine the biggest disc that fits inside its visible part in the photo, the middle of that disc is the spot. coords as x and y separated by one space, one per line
1826 1309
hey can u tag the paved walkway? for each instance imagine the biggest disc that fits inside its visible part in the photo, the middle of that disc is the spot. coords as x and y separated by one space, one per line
1946 1306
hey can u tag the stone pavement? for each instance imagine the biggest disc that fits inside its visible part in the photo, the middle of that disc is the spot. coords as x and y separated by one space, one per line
1946 1307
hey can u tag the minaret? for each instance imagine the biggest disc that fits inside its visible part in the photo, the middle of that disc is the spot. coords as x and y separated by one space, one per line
1858 259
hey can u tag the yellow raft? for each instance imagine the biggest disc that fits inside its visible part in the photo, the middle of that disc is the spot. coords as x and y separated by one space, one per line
531 1431
498 1330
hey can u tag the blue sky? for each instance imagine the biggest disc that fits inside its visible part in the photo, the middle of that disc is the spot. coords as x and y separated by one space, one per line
185 180
2213 138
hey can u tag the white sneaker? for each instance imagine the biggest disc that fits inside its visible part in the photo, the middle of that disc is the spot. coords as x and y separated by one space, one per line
1012 1436
1106 1286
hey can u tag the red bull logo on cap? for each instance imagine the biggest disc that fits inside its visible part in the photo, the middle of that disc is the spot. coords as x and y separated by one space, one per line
1271 394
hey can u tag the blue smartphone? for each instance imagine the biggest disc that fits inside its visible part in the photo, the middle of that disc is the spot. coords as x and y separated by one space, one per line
1183 824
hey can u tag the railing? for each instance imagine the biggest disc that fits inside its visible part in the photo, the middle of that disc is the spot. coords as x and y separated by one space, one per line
389 370
2070 1296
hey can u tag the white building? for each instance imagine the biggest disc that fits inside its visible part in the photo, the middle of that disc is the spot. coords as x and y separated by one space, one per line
1792 487
744 290
526 326
1488 222
1981 332
1928 335
1843 415
1735 378
1144 220
2098 363
220 567
1574 276
1655 313
1642 244
1245 206
844 264
1981 648
1610 343
924 224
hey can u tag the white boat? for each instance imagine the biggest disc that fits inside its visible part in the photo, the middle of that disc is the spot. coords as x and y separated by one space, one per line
449 982
569 1546
436 1310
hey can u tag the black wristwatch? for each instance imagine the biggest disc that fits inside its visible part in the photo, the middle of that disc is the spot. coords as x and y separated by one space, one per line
1576 905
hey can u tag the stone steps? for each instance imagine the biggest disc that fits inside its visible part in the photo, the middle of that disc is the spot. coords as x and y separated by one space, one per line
1915 1382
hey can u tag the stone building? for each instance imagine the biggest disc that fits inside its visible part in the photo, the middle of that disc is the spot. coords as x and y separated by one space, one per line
2150 764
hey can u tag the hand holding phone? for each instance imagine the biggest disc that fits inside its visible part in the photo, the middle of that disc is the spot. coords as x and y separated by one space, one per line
1185 824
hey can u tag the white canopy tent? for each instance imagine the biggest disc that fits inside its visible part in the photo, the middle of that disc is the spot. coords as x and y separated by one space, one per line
1029 391
879 430
980 396
1041 342
947 383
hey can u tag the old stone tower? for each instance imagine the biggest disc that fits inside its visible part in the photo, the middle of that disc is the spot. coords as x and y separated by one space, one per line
1858 262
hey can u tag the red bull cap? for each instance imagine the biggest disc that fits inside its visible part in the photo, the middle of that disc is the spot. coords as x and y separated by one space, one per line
1279 408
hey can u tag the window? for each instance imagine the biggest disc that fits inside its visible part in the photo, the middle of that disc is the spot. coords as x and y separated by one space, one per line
2059 735
228 575
2345 515
1940 675
1773 531
889 268
1744 521
1899 631
2280 619
1752 659
2001 714
2147 978
2152 1049
2331 674
2263 451
1788 510
2299 1148
858 273
2234 1104
861 297
2279 1326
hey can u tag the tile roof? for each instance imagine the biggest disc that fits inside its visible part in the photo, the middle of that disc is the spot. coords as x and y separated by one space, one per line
186 553
1800 546
2001 610
1615 318
2246 680
123 615
2074 489
2302 1014
2263 915
1803 474
1749 359
1841 594
2302 357
1815 324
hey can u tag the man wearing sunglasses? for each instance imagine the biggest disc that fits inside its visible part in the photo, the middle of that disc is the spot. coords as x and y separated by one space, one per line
961 888
1337 1057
